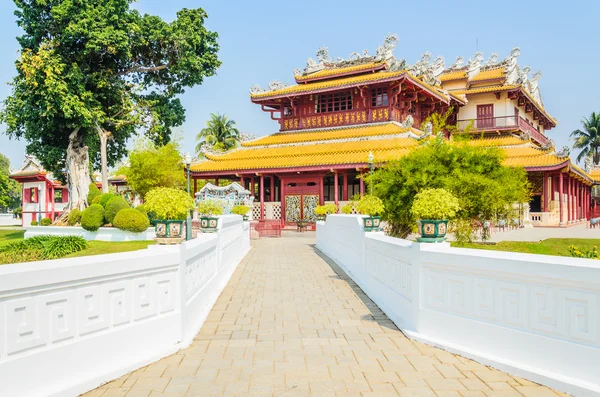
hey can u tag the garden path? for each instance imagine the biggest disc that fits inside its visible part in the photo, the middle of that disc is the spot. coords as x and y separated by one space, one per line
290 323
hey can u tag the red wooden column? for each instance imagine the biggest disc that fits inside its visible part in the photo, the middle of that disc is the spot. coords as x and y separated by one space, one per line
345 193
217 181
252 186
272 189
336 187
577 200
282 199
321 190
195 185
262 197
570 200
545 192
560 199
362 185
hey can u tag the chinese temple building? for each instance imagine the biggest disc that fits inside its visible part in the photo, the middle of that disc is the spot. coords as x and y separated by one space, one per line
341 111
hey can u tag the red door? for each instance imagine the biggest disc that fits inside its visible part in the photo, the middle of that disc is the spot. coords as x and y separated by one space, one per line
485 116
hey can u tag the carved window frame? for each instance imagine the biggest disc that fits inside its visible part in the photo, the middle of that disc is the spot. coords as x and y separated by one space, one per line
379 97
333 102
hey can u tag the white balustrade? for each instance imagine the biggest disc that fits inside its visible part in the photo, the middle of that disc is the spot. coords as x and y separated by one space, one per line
536 316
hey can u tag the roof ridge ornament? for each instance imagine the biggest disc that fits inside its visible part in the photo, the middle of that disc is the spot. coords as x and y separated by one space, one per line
458 63
408 122
256 89
474 65
384 53
511 67
548 145
588 164
564 152
534 88
493 60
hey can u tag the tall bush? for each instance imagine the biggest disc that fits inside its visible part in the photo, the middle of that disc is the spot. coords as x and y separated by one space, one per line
93 193
475 175
74 216
168 203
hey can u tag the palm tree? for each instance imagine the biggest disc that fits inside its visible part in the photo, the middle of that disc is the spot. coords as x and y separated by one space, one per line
220 133
588 139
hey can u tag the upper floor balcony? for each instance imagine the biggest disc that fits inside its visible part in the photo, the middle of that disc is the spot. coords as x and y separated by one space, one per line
502 123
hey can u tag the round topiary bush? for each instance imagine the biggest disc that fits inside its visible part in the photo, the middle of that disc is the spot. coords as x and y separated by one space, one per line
74 216
46 222
92 217
114 205
131 220
105 198
34 223
168 203
93 192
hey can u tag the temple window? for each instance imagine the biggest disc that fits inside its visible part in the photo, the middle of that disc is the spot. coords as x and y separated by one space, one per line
379 97
288 111
335 102
58 196
33 195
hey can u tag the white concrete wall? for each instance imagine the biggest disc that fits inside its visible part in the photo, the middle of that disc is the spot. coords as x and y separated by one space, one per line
9 220
67 326
534 316
102 234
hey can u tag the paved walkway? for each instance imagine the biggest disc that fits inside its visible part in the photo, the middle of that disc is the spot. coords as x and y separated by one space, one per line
290 324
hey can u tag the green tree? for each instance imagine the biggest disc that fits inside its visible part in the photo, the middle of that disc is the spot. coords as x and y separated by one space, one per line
10 190
588 139
93 72
220 134
154 166
485 188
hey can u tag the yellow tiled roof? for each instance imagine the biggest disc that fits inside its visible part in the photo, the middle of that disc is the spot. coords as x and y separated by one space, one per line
335 71
534 160
480 90
330 134
496 73
595 174
499 140
354 152
453 75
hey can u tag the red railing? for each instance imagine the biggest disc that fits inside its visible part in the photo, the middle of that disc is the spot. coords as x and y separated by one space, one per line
267 228
502 122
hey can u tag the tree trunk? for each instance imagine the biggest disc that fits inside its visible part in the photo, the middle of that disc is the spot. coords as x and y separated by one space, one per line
103 134
78 171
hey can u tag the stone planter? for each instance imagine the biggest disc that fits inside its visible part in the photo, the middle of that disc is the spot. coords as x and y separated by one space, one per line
371 223
245 218
208 224
321 217
432 230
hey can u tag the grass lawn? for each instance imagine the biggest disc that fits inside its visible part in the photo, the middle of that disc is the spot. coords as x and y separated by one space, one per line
94 247
552 246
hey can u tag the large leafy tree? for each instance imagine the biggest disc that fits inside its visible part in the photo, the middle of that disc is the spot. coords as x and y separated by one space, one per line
10 190
153 166
588 138
220 134
92 73
486 189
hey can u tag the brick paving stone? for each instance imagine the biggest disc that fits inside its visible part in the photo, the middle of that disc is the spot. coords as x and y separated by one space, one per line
290 323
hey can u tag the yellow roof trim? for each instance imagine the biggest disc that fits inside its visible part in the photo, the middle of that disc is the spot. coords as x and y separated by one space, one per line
330 134
453 75
336 71
490 74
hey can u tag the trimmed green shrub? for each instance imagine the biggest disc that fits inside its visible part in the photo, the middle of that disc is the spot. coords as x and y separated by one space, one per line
114 205
210 207
370 205
34 223
131 220
96 200
348 208
92 193
105 198
240 210
74 216
435 204
46 222
92 217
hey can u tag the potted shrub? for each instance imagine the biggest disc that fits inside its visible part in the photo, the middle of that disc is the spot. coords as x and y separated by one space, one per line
46 222
321 211
171 206
208 210
241 210
349 208
372 207
434 207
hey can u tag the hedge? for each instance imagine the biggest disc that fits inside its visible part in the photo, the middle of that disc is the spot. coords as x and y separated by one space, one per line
93 192
131 220
46 222
92 218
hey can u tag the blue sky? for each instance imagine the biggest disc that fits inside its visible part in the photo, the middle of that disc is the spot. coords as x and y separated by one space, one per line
263 41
